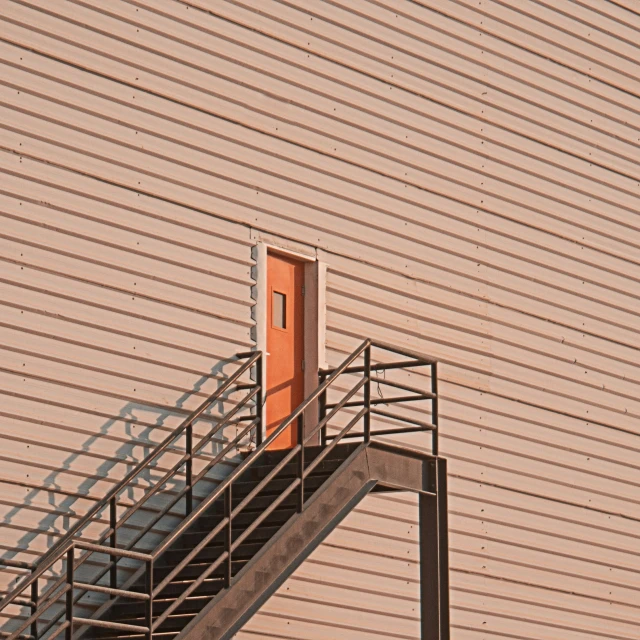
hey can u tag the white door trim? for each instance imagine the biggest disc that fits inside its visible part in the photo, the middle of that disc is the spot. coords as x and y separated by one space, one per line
314 308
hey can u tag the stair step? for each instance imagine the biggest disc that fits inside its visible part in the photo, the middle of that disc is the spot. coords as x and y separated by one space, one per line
209 554
171 626
205 523
132 611
261 534
248 515
290 470
240 523
212 584
260 502
194 570
246 482
193 604
174 623
174 589
276 486
108 634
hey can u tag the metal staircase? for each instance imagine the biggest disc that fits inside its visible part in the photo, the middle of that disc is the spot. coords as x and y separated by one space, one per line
235 544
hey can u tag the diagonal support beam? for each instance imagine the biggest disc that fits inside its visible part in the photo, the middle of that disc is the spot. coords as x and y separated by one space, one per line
375 466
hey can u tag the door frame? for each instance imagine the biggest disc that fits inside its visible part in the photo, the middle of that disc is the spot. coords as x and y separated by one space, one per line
314 313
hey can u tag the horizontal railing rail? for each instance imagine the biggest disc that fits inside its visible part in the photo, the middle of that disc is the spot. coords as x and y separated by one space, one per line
353 404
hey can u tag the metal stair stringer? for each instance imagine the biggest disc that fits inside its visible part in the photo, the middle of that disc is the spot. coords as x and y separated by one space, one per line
371 466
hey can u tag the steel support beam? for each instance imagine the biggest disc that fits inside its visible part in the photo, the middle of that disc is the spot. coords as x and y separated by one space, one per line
434 555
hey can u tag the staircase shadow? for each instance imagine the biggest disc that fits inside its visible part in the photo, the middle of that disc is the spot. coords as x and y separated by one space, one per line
127 456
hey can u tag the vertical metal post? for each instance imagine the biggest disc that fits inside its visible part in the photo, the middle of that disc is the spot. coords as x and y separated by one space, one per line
149 603
34 607
443 547
113 540
259 401
189 469
69 595
322 411
228 508
367 394
434 408
301 463
434 563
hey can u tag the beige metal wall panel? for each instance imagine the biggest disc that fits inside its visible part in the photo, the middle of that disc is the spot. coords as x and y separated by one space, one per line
203 80
469 174
505 29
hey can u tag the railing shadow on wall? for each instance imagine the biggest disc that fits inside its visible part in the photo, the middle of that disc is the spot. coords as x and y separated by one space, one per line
126 457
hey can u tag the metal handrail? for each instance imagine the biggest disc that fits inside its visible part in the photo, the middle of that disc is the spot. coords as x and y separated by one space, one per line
67 542
218 491
224 490
177 497
330 375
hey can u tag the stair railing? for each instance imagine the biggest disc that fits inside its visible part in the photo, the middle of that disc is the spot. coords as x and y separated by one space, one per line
327 412
65 549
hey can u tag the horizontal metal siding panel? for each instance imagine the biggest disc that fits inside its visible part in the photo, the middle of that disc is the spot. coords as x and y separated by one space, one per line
453 53
232 29
513 595
593 297
502 30
507 329
278 27
498 437
539 389
544 353
276 109
540 237
519 592
500 598
631 14
563 282
497 446
580 23
609 53
286 18
494 541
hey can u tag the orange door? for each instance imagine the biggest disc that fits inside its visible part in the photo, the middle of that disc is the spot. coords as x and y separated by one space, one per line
285 345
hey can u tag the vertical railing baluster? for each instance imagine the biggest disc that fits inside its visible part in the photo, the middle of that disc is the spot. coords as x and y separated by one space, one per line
367 394
434 408
259 401
322 411
228 538
149 602
113 540
69 594
301 462
189 469
34 606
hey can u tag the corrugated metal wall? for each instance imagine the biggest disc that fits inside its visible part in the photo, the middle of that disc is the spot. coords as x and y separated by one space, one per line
469 171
